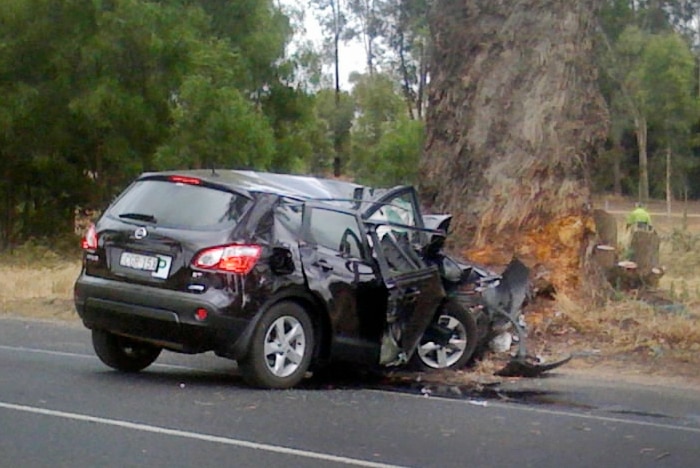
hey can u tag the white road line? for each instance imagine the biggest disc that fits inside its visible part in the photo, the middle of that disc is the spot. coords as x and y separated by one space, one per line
197 436
496 404
44 351
93 357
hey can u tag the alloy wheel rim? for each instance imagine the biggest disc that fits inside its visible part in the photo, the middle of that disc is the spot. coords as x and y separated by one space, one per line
439 356
285 344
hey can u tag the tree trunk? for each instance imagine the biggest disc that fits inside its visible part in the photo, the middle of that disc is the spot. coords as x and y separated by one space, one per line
640 124
669 193
617 173
337 164
514 113
407 93
422 79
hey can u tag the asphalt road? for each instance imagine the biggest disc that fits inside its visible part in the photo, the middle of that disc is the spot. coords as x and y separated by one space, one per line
60 407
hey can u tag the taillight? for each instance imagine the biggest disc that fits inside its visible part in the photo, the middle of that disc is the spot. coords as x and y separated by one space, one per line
235 258
89 241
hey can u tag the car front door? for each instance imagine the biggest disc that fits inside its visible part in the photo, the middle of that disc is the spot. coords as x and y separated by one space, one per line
414 290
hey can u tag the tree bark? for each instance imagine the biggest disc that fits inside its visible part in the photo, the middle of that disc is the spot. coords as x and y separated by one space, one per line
640 124
606 227
514 113
617 173
669 192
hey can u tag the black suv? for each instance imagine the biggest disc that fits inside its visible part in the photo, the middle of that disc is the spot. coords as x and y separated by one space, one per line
279 272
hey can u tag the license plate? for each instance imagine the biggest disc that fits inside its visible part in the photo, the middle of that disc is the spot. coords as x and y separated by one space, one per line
158 265
138 261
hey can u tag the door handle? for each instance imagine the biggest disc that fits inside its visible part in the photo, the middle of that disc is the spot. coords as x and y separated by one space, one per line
323 265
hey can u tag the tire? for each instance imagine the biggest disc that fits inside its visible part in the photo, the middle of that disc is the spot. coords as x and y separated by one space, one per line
456 353
123 354
281 348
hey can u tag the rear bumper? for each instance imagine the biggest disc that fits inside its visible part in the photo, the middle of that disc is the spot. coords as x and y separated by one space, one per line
163 317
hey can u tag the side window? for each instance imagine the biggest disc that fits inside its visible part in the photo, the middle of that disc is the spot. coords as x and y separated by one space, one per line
336 231
399 210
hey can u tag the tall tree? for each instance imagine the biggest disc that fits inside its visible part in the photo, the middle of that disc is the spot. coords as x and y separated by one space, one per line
386 144
667 76
369 27
406 33
514 115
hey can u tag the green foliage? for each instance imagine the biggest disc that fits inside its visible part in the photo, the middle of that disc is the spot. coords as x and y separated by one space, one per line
387 145
651 85
667 78
95 92
215 127
336 113
377 103
395 159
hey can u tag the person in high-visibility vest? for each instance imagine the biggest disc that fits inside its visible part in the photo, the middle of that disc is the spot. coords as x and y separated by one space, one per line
639 218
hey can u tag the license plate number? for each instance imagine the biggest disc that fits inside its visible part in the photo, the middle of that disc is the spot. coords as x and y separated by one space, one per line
138 261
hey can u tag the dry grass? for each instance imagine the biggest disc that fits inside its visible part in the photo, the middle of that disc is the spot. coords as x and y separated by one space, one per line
38 283
660 327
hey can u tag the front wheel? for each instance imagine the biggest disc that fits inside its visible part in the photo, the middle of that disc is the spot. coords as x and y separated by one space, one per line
281 348
123 354
450 341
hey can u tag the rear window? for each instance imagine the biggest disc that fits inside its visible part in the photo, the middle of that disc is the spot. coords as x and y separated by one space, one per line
170 204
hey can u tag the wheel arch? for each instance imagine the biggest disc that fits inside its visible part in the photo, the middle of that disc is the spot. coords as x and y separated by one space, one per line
318 314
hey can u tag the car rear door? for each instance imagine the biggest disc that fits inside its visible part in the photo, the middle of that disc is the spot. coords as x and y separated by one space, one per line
337 268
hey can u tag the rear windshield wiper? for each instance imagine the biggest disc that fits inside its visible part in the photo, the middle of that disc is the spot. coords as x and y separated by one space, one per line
139 216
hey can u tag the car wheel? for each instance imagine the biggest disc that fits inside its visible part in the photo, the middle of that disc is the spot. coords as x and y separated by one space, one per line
122 353
451 344
281 348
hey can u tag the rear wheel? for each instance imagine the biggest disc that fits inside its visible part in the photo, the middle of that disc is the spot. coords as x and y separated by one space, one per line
451 340
123 354
281 348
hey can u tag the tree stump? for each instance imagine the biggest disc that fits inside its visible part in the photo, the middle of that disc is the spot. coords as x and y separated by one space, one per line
606 227
645 250
642 270
605 255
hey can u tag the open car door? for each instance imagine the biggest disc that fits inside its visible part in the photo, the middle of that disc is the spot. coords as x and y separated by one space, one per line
414 290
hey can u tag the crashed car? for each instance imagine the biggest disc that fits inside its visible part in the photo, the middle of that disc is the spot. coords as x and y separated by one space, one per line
281 273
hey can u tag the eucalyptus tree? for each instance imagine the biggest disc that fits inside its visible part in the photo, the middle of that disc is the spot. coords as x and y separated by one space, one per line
333 19
514 116
666 78
408 49
95 92
386 143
